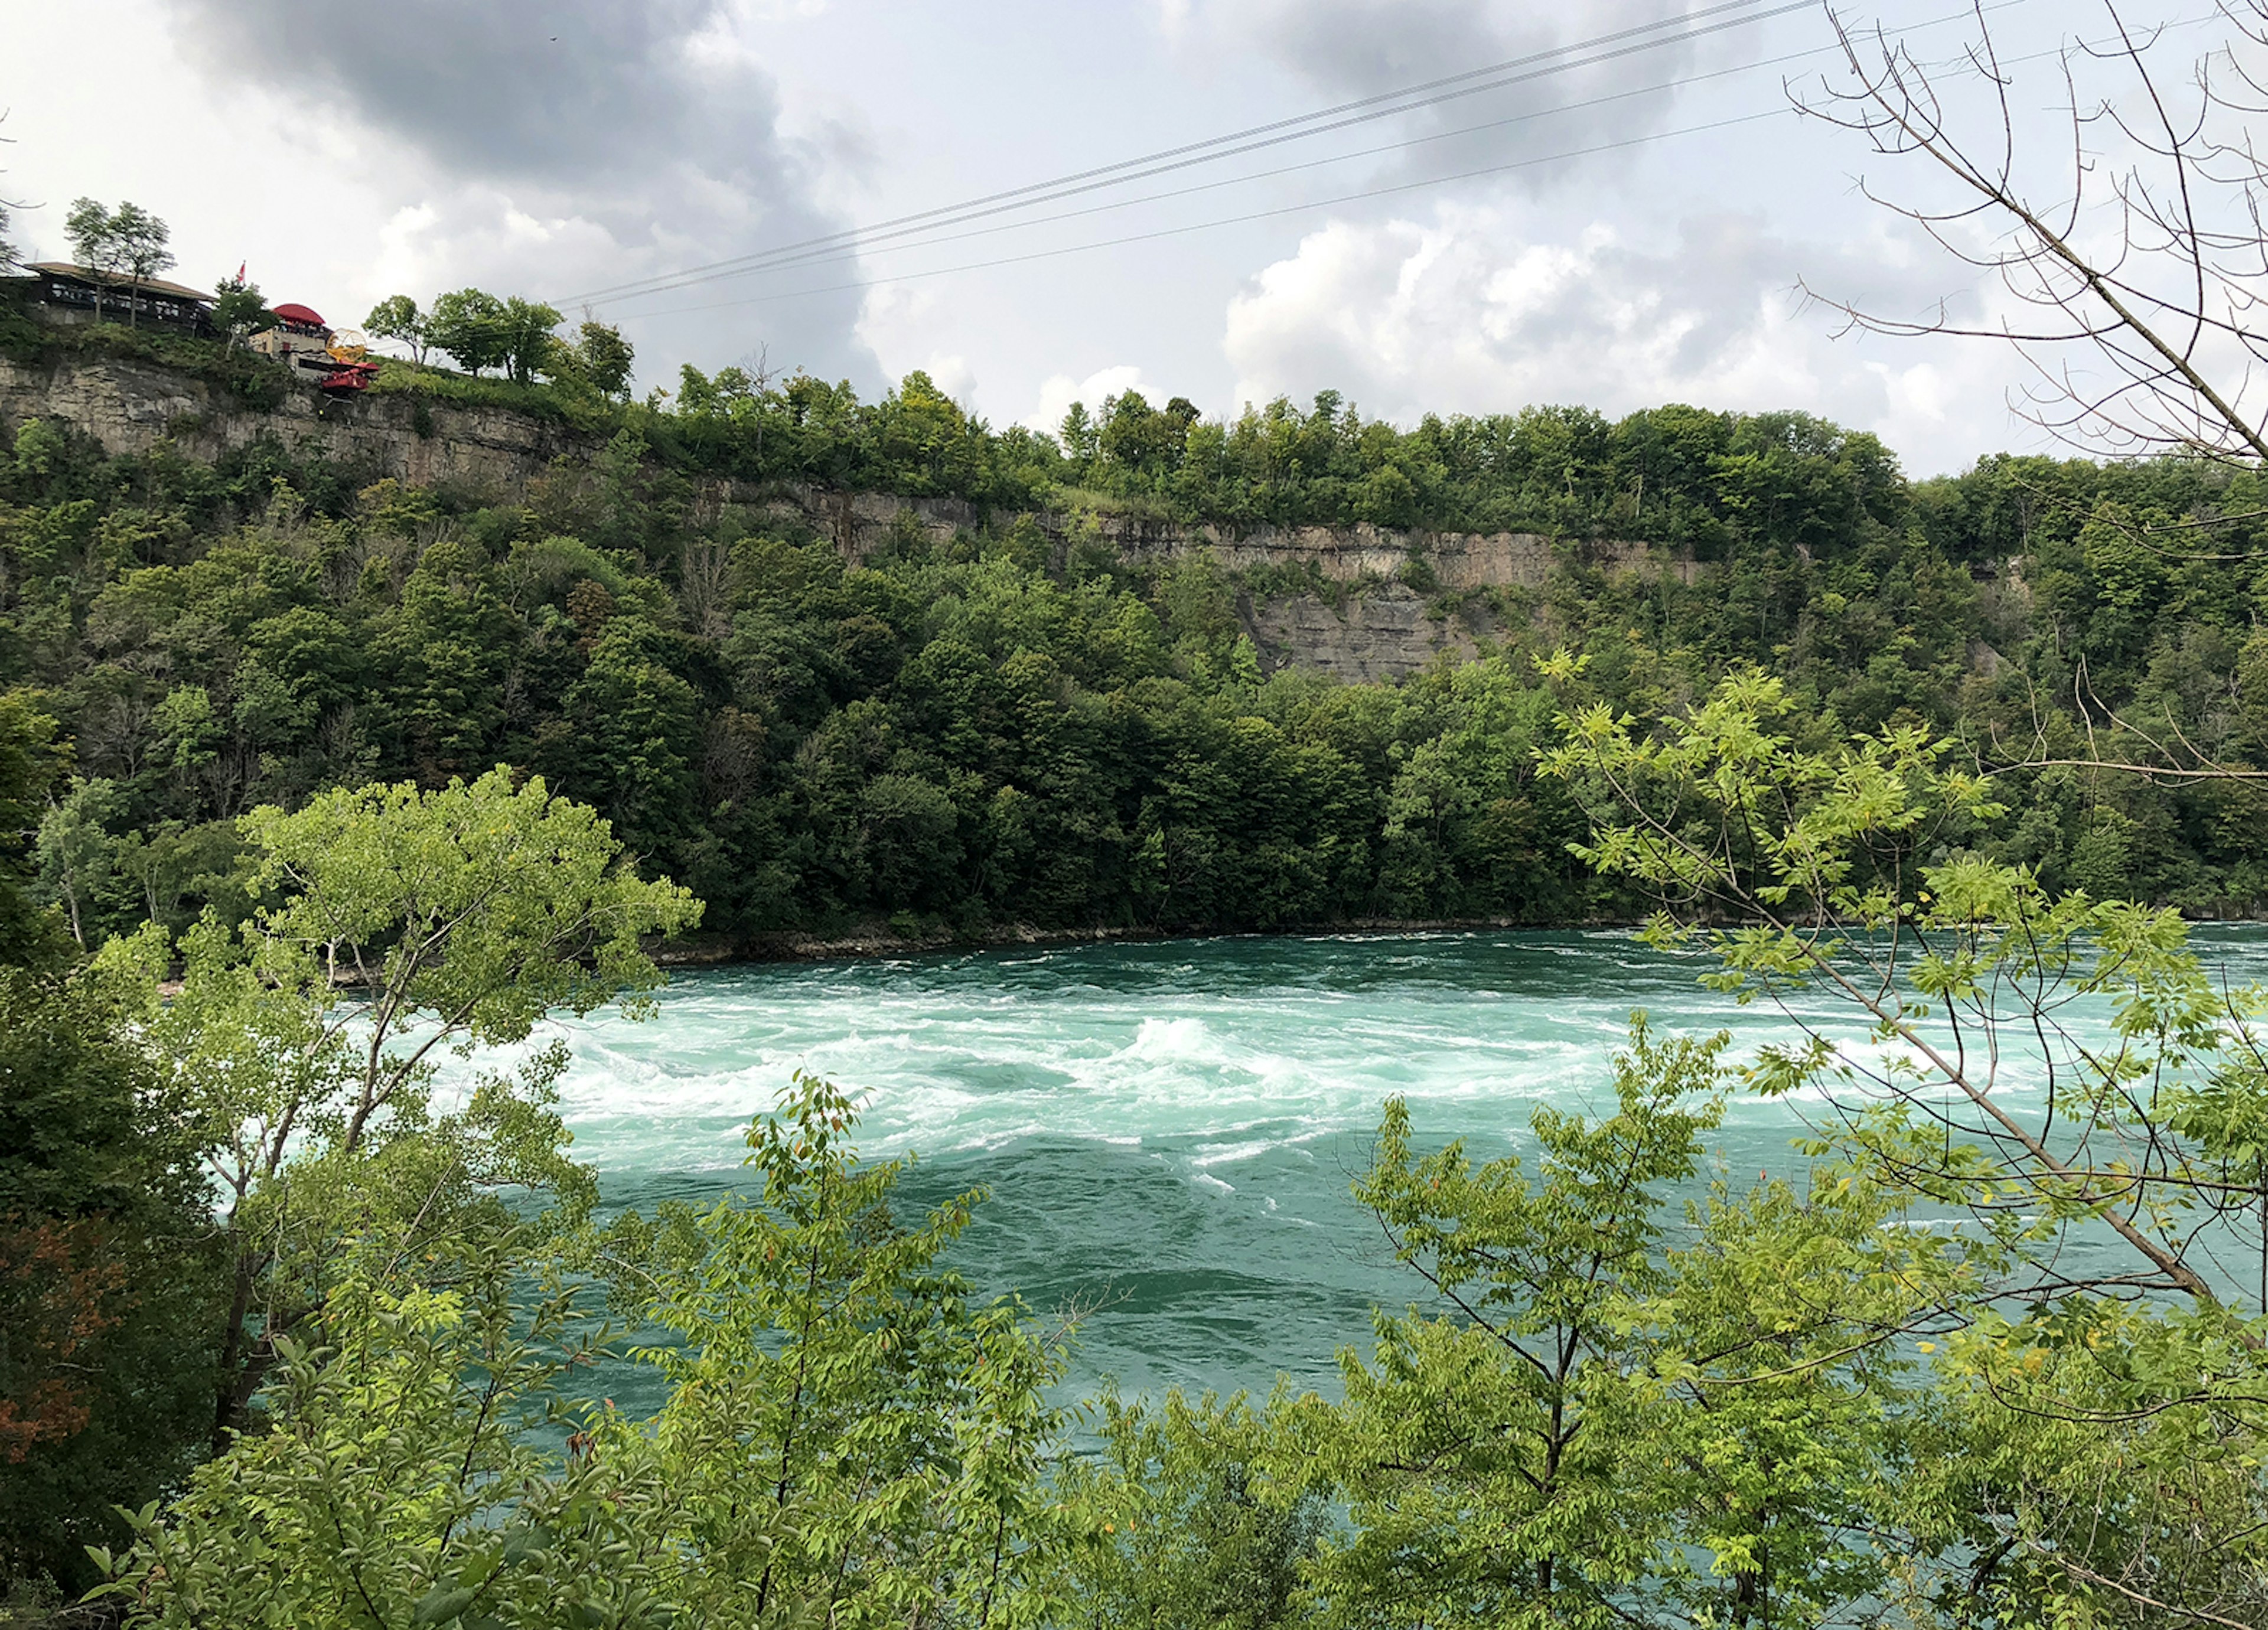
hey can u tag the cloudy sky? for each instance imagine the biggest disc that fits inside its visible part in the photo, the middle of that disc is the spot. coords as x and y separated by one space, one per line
1630 223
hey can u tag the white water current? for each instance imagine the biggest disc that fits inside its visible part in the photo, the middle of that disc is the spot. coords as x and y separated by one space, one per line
1170 1128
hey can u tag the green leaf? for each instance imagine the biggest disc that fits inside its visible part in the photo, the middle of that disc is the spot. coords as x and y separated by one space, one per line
442 1603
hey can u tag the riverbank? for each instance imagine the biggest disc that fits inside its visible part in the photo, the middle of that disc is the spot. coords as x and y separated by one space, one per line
880 942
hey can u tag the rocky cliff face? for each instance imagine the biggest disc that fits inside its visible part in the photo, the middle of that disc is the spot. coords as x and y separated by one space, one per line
130 406
861 523
1375 628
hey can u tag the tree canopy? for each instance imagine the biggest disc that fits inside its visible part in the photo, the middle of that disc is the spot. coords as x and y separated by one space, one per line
128 243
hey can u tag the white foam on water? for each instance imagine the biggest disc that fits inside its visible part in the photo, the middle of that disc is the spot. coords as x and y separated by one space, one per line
1224 1050
1232 1153
1178 1039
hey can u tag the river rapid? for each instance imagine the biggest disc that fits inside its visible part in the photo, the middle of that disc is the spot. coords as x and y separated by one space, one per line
1168 1130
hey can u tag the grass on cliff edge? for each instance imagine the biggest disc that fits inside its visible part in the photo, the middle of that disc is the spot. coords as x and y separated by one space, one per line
583 410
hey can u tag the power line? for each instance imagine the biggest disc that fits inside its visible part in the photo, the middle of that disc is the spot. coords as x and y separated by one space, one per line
1996 6
840 244
1314 163
825 250
1342 198
1364 194
1498 76
1231 220
1315 203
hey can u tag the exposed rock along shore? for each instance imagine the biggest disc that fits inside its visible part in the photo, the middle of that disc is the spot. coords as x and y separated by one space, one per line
878 941
1378 627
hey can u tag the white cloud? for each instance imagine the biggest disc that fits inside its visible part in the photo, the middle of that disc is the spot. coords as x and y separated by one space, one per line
1058 391
951 372
1466 311
898 324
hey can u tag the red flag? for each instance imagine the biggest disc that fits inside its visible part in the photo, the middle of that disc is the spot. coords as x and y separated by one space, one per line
239 271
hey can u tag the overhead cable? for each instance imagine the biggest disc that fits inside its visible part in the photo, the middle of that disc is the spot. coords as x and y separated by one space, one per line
1496 76
1404 145
1231 220
1312 203
1407 142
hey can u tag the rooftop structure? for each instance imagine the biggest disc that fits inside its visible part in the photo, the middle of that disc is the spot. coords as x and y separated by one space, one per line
331 360
61 292
68 293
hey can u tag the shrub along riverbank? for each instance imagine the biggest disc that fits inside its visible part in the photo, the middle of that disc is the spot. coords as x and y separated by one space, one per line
1890 1384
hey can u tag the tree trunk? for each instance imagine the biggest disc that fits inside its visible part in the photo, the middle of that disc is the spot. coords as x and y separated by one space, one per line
231 1355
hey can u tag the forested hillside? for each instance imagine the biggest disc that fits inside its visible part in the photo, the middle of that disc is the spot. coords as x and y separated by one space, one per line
1014 729
1810 1400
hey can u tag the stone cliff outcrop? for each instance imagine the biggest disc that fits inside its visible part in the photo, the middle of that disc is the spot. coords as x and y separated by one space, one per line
1371 624
129 406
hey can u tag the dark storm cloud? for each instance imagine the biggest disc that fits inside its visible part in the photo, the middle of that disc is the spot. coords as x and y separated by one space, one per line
552 91
1350 49
644 118
1361 46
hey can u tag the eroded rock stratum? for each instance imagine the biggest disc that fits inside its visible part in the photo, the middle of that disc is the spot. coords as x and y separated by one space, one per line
1363 619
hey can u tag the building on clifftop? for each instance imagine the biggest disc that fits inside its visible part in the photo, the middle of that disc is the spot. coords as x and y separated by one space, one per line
300 339
333 359
61 292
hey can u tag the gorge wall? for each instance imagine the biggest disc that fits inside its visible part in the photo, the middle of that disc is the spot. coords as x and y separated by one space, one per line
1367 623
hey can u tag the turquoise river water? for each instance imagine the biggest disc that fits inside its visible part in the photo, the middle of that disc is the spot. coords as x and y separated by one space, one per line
1170 1128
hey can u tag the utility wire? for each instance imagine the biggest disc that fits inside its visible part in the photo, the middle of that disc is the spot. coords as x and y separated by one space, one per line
829 249
842 244
1385 105
1231 220
1314 203
831 252
1673 83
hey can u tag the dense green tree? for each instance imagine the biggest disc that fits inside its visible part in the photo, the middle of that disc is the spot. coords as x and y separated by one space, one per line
526 338
1183 1527
30 936
239 310
1610 1410
76 852
1487 1451
597 356
452 1513
397 318
142 241
850 1437
128 243
461 916
91 231
2089 1432
109 1276
636 737
471 326
733 690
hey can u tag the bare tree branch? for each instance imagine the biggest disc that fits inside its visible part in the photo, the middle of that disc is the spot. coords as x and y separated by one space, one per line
2141 242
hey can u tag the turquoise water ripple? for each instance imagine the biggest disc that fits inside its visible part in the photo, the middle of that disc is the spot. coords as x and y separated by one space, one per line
1169 1130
